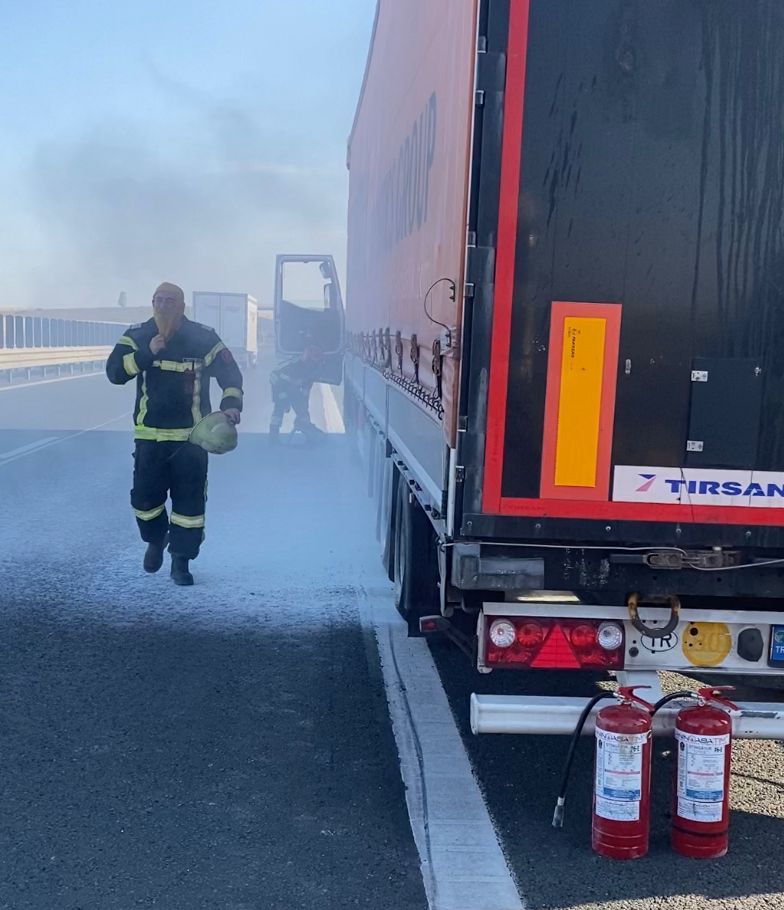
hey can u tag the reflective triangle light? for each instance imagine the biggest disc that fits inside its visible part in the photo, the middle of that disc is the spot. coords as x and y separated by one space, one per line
556 652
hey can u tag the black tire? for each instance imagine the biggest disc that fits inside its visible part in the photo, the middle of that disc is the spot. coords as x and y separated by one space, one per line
388 555
415 562
401 552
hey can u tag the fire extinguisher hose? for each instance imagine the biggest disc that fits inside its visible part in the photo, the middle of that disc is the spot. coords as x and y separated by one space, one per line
673 696
558 815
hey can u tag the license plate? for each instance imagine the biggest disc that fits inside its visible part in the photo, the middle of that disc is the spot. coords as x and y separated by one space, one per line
776 646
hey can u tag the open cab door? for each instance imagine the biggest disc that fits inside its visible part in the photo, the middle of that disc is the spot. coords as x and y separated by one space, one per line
309 311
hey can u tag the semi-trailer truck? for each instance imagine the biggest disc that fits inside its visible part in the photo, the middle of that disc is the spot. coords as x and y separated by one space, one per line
564 308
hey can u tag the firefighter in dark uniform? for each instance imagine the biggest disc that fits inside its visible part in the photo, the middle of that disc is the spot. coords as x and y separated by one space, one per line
172 360
291 386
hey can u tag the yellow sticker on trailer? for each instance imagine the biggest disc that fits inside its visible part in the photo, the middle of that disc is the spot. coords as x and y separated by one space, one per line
580 405
707 644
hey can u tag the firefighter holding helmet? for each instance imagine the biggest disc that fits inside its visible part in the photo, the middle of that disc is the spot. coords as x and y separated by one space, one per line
172 360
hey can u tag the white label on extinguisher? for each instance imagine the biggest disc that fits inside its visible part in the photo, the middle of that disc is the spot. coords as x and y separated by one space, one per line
619 774
618 810
701 776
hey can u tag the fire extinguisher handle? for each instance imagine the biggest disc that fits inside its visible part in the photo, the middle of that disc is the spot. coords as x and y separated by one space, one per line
713 694
627 694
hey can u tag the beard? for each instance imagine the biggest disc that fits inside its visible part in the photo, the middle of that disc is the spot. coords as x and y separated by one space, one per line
167 323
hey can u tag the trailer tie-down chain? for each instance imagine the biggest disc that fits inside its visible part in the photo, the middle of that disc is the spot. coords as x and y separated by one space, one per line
376 350
417 391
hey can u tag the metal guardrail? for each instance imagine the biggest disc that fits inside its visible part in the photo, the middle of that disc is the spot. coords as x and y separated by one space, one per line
35 347
18 331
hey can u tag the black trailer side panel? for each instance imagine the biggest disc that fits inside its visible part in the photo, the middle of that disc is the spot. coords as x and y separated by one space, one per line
652 177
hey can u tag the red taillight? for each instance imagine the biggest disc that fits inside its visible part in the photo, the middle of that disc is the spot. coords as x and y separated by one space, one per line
530 635
583 637
564 644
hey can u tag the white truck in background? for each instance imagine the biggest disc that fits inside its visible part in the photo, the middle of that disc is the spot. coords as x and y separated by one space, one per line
234 317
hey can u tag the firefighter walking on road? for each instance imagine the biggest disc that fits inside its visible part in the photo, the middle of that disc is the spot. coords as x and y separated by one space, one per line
173 360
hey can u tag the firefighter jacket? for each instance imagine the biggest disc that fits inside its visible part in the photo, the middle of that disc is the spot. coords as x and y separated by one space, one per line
173 386
298 372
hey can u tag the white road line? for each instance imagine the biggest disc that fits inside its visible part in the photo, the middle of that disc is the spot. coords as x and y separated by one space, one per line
30 447
27 385
56 440
332 415
463 866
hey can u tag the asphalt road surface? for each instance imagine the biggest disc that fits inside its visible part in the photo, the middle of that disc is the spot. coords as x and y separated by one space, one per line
229 747
225 746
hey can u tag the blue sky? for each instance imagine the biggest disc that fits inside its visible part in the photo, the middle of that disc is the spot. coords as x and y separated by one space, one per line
185 141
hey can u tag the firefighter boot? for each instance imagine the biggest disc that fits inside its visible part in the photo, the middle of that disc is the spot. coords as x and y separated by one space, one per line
313 433
153 557
308 429
179 571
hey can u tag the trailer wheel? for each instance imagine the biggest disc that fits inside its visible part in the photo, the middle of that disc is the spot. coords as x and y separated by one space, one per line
415 564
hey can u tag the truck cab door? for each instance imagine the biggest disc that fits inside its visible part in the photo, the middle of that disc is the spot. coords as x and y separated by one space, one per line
309 311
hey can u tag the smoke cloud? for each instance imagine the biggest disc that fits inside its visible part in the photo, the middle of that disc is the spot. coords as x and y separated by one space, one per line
205 200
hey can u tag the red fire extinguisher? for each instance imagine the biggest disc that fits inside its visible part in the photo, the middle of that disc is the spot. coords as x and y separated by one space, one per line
701 812
621 802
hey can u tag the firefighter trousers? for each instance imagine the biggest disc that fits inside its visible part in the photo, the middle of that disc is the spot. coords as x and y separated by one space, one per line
290 396
179 470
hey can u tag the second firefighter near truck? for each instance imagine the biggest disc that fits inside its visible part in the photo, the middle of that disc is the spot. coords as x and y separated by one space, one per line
172 360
